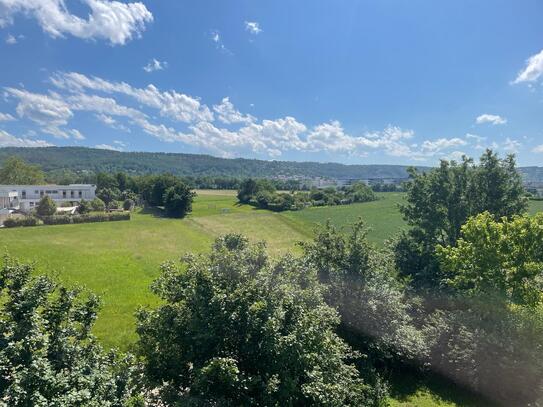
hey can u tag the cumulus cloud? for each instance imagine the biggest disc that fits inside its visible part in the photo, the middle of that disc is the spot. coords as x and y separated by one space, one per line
490 118
113 21
8 140
48 111
228 114
174 117
538 149
533 69
511 145
155 65
174 105
6 117
253 27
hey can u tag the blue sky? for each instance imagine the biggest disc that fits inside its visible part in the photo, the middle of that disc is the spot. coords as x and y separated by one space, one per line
382 81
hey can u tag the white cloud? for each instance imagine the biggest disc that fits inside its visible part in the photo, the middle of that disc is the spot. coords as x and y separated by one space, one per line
155 65
114 21
228 114
174 105
435 146
11 40
538 149
108 147
215 36
8 140
6 117
48 111
76 134
253 27
490 118
533 69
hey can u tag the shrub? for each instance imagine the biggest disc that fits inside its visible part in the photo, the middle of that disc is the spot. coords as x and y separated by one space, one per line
57 220
84 207
46 206
128 204
18 222
98 205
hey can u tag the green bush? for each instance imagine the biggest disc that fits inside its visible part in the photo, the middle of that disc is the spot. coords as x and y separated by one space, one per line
98 205
57 220
18 222
46 206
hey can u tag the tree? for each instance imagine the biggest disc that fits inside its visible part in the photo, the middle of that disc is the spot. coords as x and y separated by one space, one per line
440 201
16 172
502 259
361 284
178 200
239 329
48 356
108 195
46 206
128 204
98 205
247 190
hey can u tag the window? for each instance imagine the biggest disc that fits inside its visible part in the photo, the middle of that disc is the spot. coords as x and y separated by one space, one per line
41 193
64 194
80 193
71 194
31 203
23 194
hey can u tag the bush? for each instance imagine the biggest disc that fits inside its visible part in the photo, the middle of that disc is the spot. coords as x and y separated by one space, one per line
46 206
18 222
98 205
128 204
101 217
84 207
57 220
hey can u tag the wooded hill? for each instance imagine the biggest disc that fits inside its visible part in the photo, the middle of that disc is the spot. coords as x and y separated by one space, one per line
81 159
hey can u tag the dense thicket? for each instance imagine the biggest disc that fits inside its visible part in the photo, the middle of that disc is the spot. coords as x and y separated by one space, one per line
239 329
15 171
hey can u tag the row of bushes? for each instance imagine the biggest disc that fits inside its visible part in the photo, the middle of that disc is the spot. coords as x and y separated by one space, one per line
66 219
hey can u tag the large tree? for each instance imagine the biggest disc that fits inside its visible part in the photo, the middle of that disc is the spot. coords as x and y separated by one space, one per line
178 200
48 356
239 329
440 201
16 172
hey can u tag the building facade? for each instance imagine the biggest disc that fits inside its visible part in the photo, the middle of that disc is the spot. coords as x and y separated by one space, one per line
26 197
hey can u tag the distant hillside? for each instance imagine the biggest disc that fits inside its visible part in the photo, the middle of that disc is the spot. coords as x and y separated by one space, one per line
80 159
88 159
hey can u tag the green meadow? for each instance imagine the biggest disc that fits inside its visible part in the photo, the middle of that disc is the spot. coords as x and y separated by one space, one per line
119 260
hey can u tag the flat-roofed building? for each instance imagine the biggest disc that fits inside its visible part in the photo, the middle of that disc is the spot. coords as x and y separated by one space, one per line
26 197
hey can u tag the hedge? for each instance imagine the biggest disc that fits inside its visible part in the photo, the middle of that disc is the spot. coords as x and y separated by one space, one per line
18 222
66 219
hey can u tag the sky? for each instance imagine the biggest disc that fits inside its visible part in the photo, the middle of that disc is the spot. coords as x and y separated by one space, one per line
351 81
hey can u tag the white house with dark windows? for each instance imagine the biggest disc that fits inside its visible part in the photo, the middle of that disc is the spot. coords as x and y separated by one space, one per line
26 197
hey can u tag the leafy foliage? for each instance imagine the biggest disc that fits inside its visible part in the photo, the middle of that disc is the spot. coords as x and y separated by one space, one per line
16 172
46 206
361 283
440 201
239 329
178 200
47 353
502 259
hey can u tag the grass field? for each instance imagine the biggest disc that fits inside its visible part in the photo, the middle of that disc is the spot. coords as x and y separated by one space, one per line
119 260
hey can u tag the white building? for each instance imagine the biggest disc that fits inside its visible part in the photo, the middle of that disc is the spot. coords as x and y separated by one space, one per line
26 197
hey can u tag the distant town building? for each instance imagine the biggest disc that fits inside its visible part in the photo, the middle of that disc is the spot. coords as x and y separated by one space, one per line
26 197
